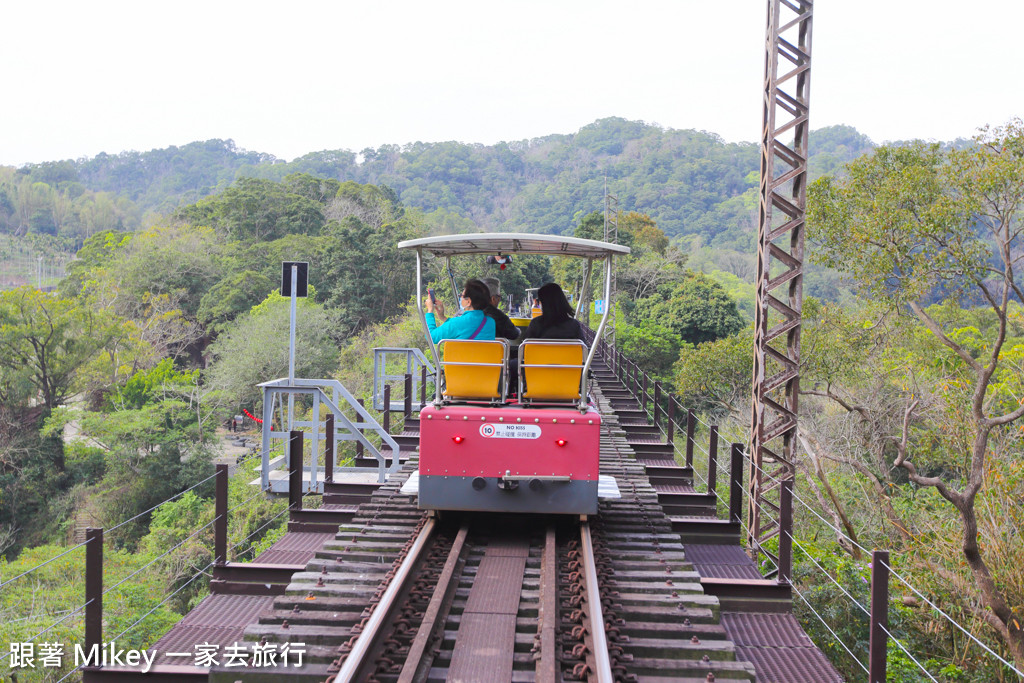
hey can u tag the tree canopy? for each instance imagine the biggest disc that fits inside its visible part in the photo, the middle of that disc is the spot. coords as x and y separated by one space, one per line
690 183
929 224
697 309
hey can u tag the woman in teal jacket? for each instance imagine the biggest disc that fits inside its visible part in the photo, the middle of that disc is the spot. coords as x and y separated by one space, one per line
472 324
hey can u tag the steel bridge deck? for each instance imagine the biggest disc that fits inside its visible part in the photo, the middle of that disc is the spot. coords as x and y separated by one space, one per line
331 572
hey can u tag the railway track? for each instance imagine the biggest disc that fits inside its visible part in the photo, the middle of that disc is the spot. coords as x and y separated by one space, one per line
402 596
476 587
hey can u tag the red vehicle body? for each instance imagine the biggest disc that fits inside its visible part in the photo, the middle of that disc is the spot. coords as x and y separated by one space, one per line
509 459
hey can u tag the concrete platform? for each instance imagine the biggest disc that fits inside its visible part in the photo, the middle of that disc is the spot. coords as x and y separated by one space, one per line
356 475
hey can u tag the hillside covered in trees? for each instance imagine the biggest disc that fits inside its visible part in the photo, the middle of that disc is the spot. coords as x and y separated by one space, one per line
692 183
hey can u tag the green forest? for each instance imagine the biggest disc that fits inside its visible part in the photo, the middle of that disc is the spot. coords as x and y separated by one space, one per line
116 386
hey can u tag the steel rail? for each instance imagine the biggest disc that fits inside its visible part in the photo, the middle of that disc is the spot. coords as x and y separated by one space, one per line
434 616
354 662
599 640
547 629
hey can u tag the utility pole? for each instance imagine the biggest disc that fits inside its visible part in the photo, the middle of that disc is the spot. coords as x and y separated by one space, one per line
611 234
780 256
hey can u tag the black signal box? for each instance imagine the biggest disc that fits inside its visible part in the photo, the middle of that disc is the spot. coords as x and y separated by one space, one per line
301 280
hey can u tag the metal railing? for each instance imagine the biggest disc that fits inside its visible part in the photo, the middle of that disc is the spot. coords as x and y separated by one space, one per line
345 428
416 365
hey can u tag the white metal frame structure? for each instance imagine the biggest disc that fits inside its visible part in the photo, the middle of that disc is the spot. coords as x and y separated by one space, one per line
345 428
447 246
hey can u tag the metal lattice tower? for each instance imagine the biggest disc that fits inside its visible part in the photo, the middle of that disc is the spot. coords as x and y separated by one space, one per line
611 234
780 256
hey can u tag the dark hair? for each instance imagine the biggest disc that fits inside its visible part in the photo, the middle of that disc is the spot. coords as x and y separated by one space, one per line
556 308
478 294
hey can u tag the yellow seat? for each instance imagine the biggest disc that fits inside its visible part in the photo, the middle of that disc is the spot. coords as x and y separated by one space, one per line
474 370
551 370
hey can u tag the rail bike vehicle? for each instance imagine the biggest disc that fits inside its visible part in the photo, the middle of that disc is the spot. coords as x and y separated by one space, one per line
496 444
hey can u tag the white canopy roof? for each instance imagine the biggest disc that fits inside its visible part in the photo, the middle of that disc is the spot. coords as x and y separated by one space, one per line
514 243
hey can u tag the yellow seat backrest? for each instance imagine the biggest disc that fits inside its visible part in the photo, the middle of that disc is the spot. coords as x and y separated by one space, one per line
474 369
551 370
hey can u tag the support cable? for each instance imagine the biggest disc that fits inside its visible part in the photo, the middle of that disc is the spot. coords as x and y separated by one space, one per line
58 623
201 572
831 578
834 634
258 493
845 536
73 671
952 621
898 576
261 528
907 653
43 564
830 524
115 528
160 557
38 616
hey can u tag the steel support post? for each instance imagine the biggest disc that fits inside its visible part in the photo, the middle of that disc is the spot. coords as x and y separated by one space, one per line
786 533
878 639
780 255
329 455
359 444
93 588
295 468
713 460
220 510
736 483
691 426
407 407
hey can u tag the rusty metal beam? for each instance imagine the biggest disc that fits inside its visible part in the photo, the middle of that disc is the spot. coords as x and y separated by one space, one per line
220 524
93 587
780 256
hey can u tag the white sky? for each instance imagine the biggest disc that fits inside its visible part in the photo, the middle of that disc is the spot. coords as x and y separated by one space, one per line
289 78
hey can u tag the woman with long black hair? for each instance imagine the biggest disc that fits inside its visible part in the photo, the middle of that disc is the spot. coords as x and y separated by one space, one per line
556 320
